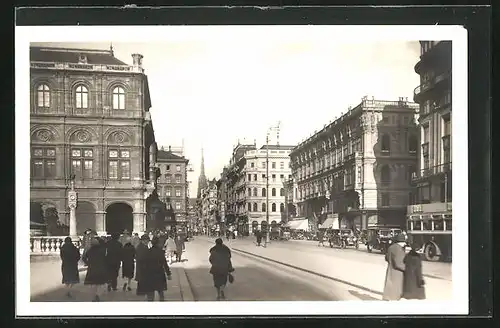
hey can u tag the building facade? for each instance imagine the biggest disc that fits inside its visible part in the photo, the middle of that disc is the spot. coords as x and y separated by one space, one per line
90 123
246 185
173 184
209 204
433 177
359 166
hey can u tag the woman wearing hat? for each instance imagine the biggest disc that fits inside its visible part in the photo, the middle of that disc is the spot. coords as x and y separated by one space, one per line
413 282
220 259
395 255
153 277
70 255
140 253
97 272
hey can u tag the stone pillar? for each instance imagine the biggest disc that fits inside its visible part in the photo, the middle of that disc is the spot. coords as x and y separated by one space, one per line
100 222
139 222
72 203
364 221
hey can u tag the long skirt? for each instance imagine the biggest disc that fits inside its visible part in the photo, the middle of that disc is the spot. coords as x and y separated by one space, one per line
219 280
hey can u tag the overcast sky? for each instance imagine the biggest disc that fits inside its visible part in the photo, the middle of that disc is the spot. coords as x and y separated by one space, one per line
213 90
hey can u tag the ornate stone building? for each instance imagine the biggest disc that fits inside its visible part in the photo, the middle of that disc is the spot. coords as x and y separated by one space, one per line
359 166
89 118
173 183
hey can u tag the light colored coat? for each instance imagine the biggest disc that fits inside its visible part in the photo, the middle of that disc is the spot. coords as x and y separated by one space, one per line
170 245
393 288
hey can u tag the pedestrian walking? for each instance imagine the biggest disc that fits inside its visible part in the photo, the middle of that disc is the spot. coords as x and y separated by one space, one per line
321 238
70 255
220 259
258 235
136 240
140 254
153 277
128 265
170 249
113 259
413 281
97 272
87 241
180 246
235 234
395 255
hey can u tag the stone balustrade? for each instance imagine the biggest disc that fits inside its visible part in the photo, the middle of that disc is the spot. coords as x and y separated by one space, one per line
45 245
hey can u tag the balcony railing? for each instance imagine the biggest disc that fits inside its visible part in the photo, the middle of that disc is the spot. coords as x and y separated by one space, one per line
428 84
48 245
87 67
438 169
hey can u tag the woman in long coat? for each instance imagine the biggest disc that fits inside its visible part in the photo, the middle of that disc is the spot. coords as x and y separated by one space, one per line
180 246
220 259
128 265
413 282
97 272
153 277
393 289
170 249
70 255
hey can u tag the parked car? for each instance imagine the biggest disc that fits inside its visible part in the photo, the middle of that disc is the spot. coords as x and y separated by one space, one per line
348 238
380 237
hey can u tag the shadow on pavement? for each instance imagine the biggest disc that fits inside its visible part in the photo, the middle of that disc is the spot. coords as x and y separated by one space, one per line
362 296
253 283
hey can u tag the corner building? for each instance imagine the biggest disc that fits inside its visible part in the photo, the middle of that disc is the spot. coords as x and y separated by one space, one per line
89 117
359 166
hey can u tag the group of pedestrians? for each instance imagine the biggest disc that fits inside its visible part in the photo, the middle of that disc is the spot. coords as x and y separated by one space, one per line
143 258
404 278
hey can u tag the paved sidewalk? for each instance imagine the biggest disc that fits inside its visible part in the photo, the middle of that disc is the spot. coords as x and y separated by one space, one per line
46 286
368 274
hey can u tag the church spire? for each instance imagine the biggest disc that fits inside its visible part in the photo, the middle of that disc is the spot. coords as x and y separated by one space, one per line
202 179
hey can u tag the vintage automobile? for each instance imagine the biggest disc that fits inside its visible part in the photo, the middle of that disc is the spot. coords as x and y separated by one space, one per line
348 238
380 237
334 238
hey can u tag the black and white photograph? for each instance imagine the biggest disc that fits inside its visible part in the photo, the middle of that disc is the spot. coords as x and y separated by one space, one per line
252 170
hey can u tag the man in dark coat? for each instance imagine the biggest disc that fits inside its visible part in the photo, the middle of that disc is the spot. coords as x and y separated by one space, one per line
258 235
393 288
128 265
220 259
140 253
179 247
413 282
153 277
97 272
70 255
113 258
136 240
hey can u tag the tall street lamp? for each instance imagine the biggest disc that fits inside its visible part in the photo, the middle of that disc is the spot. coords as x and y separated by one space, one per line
72 204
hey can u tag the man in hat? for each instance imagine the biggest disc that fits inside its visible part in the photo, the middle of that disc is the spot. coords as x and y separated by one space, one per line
140 254
113 259
393 288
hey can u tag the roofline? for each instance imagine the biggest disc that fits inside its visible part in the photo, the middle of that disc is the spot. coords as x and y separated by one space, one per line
61 49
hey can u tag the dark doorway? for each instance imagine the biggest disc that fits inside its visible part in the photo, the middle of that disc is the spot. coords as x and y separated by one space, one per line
119 217
85 217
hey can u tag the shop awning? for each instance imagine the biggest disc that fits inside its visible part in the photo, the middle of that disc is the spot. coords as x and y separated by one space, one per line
298 224
330 222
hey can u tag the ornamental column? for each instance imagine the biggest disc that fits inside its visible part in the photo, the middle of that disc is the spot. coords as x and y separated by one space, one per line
72 204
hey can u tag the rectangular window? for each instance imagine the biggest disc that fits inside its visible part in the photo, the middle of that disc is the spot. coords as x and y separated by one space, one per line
282 165
178 168
252 165
263 165
289 177
249 191
168 192
119 164
263 177
274 177
177 192
385 199
177 205
44 163
249 177
177 179
282 176
82 163
87 169
168 179
273 165
168 167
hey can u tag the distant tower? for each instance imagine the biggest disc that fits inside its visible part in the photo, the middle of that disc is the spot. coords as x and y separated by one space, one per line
202 179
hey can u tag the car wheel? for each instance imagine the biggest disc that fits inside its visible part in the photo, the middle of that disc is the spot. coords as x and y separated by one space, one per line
430 253
369 248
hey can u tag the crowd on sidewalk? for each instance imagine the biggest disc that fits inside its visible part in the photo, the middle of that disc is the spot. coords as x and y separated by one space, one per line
146 258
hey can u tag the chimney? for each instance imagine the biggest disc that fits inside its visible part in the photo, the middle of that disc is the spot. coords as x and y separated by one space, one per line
170 148
137 60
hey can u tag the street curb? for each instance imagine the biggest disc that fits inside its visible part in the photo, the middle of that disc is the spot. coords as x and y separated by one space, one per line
311 272
185 286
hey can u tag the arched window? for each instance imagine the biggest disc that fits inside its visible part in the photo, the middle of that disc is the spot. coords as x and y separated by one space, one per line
263 192
386 143
118 98
282 207
273 192
255 191
249 207
249 191
385 175
263 207
282 192
255 207
43 96
81 97
412 144
273 207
